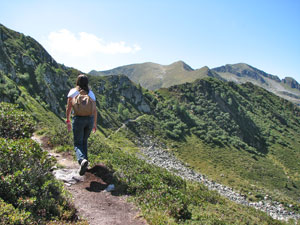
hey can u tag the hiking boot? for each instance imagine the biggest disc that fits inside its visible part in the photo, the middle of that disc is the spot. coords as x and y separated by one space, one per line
83 166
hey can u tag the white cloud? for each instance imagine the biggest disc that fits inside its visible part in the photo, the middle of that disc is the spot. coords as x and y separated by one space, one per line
85 44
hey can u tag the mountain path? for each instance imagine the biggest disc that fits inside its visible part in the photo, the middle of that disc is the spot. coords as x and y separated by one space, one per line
124 125
90 193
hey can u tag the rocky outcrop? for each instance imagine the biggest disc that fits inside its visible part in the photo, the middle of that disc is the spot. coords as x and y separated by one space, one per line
291 82
27 61
122 86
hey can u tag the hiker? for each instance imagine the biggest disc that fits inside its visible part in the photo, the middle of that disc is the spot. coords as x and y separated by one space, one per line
83 102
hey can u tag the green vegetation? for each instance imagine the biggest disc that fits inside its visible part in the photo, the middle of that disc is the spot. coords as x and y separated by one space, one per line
168 199
163 197
242 136
14 123
29 193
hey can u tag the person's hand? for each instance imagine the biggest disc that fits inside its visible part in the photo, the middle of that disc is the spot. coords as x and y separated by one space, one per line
69 126
94 128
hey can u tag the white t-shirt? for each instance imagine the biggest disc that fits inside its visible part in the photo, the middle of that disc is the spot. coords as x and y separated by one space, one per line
73 92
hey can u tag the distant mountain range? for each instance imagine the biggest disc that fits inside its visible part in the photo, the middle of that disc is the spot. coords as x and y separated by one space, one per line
154 76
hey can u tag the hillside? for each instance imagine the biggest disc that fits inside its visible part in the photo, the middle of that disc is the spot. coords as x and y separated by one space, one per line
241 136
30 77
154 76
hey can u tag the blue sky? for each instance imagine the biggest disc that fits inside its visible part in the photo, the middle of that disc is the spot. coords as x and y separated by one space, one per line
101 35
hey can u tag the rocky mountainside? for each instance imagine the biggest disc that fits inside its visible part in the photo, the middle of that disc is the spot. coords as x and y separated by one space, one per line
26 65
287 88
30 77
154 76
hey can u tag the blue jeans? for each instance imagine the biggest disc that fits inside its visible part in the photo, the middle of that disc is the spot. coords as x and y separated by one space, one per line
82 127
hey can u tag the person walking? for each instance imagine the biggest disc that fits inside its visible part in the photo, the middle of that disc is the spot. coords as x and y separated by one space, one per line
83 102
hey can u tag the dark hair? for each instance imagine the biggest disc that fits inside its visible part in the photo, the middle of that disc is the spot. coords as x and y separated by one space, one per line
82 83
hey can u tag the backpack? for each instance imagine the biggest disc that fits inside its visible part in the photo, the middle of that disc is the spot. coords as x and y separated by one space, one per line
82 104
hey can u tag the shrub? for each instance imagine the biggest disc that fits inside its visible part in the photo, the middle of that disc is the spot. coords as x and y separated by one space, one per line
60 136
14 123
10 215
26 181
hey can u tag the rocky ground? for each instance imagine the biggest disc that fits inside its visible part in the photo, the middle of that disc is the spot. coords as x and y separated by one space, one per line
155 154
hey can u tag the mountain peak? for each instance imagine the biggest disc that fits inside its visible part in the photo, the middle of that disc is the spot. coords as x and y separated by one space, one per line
181 64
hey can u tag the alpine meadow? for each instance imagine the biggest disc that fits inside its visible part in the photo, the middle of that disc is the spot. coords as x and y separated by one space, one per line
235 127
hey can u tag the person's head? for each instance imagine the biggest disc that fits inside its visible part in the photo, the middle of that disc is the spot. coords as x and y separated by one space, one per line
82 83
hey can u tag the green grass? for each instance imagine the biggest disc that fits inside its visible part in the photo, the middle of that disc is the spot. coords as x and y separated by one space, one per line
42 114
257 176
165 198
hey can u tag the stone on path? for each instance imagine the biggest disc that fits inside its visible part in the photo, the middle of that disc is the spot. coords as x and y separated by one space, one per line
68 176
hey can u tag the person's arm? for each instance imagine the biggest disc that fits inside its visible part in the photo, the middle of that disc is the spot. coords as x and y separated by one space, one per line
95 118
68 113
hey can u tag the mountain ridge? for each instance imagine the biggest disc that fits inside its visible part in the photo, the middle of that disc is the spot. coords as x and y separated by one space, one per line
154 76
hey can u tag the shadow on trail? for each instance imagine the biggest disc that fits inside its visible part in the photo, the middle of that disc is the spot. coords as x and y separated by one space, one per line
102 172
96 187
99 177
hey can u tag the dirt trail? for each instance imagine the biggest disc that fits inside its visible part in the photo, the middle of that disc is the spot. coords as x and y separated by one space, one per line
90 196
123 126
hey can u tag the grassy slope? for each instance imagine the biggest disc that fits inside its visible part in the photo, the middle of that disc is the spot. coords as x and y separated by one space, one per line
276 171
271 82
45 117
165 198
253 177
154 76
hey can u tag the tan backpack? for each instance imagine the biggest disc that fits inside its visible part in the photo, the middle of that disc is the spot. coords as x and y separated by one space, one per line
83 105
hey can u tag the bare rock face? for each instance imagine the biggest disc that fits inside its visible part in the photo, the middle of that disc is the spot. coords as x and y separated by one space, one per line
291 82
55 86
144 107
120 85
27 61
133 94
